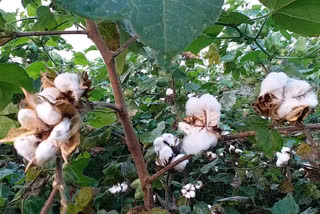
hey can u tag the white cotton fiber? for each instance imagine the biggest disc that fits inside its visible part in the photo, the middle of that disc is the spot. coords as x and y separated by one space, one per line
26 146
212 107
69 82
180 167
169 138
274 83
164 156
310 99
158 144
48 113
198 141
61 132
194 107
51 94
282 159
45 152
29 119
296 87
287 106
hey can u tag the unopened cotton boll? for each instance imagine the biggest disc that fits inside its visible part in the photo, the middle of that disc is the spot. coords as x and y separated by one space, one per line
69 82
198 141
274 83
164 156
282 159
48 113
61 132
51 94
45 152
26 146
30 120
180 167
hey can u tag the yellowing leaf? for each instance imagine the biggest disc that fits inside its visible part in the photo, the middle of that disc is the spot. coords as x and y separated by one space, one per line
213 55
14 133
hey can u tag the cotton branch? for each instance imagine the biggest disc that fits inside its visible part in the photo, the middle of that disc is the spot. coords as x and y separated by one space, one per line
125 46
167 168
131 138
56 187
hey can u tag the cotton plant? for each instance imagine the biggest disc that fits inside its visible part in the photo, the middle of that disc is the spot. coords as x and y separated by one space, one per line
50 119
285 99
200 126
167 150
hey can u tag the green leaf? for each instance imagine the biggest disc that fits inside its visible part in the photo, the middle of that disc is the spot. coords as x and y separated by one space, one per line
73 172
206 168
45 19
34 69
251 56
31 11
178 74
285 206
201 208
2 23
184 209
149 137
101 117
33 204
21 41
300 17
12 77
80 59
235 18
156 22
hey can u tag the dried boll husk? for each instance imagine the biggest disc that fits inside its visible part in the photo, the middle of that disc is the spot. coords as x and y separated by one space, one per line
48 113
51 94
46 151
26 146
69 82
29 119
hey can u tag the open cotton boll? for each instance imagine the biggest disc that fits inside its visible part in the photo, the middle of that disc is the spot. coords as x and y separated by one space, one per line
212 107
164 156
287 106
29 119
296 87
169 138
26 146
310 99
45 152
50 93
158 144
194 107
285 149
282 159
196 142
274 82
48 113
61 132
180 167
69 82
188 129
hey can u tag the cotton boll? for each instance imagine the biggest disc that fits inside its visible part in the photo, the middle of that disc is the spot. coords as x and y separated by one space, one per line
212 108
26 146
169 138
238 151
48 113
196 142
287 106
158 144
45 152
187 129
180 167
61 132
29 119
282 159
164 156
231 148
194 107
69 82
285 149
50 93
296 87
310 99
274 82
169 92
124 187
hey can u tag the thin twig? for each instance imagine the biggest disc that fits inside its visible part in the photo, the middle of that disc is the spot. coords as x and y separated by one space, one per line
56 186
107 105
167 168
125 46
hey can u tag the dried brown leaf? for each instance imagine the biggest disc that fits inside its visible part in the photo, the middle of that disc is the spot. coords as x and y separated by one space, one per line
66 108
15 133
286 187
47 79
